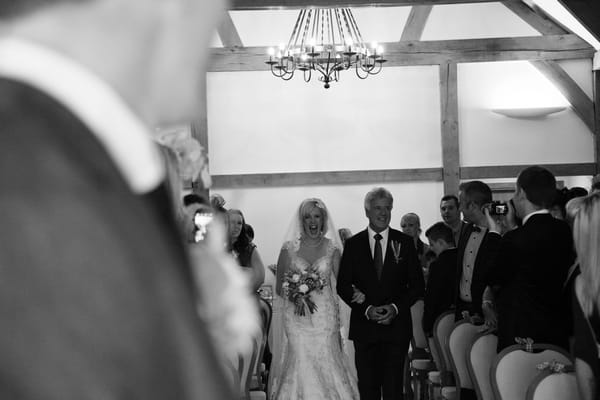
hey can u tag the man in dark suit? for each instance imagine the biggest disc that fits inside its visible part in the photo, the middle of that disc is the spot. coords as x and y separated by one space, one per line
381 263
533 262
96 296
477 248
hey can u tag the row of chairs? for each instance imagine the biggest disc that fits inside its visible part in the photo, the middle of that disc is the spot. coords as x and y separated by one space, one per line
247 371
461 358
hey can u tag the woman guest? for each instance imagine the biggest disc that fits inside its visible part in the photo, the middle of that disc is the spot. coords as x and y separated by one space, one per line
411 225
586 312
244 250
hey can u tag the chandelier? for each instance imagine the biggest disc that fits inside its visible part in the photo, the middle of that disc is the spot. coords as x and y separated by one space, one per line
325 41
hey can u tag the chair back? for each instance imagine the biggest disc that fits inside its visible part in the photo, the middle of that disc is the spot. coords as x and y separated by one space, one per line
480 356
553 386
419 340
247 365
441 329
514 369
460 338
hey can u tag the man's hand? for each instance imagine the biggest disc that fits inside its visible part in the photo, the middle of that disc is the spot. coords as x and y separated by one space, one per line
489 314
386 314
358 296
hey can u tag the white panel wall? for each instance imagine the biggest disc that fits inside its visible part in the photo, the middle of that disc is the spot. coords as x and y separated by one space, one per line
487 138
258 123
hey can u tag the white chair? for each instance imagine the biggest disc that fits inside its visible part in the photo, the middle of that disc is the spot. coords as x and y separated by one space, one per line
514 368
418 362
553 386
440 382
460 338
480 356
441 329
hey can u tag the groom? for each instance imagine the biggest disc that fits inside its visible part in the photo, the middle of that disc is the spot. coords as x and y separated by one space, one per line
382 264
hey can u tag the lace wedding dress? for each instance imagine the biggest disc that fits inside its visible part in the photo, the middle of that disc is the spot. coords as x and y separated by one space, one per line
314 365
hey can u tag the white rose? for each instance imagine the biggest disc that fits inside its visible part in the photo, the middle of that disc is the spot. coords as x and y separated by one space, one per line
313 275
303 288
295 278
285 284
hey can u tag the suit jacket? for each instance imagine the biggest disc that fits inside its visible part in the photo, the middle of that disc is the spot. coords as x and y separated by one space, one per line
95 296
532 266
440 290
486 256
401 283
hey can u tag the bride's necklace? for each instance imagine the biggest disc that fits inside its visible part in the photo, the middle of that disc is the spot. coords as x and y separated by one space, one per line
315 244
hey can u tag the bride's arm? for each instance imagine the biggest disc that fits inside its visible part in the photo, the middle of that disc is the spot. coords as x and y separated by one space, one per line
336 262
283 264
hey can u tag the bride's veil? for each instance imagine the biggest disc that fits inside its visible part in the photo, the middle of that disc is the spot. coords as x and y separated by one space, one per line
291 244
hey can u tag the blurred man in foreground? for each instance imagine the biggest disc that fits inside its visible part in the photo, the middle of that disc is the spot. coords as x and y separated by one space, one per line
95 288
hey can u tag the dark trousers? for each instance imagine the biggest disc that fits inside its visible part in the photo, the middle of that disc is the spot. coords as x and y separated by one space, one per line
379 367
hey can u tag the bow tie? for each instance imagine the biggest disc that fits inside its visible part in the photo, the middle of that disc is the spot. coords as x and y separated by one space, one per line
476 228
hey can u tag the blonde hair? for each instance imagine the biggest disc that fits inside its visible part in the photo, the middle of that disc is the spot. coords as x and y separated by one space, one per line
586 234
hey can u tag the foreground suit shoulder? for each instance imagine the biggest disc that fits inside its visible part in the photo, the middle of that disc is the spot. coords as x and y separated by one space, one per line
91 283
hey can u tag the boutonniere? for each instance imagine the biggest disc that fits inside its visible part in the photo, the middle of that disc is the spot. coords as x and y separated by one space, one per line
396 250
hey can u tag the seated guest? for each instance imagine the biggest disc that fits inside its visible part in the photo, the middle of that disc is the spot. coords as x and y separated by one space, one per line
411 225
586 305
439 294
243 250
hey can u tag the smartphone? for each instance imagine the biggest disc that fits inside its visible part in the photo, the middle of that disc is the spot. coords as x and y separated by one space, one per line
202 219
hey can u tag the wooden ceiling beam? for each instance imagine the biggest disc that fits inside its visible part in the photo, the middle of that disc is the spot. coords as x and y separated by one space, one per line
293 4
415 24
228 32
582 104
435 52
535 17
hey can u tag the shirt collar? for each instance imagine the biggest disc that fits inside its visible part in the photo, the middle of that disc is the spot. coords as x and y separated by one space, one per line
384 233
124 136
542 211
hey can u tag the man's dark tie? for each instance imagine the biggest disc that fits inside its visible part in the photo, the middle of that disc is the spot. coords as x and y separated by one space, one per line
378 256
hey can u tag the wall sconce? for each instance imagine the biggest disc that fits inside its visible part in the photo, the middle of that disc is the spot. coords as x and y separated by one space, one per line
528 113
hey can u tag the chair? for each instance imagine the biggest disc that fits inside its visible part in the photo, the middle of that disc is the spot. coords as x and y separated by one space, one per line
440 381
514 368
459 339
259 373
248 361
441 329
553 386
480 356
418 362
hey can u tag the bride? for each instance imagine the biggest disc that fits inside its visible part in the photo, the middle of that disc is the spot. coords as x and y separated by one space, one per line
308 359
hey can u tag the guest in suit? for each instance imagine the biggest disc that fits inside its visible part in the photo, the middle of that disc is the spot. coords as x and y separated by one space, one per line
476 252
440 291
450 212
532 266
586 302
96 292
381 263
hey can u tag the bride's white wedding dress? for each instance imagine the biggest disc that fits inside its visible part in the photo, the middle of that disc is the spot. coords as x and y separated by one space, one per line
314 365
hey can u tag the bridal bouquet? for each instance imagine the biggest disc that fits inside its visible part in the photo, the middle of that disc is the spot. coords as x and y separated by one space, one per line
297 286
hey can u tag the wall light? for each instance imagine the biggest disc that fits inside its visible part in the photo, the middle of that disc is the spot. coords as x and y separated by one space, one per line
528 113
